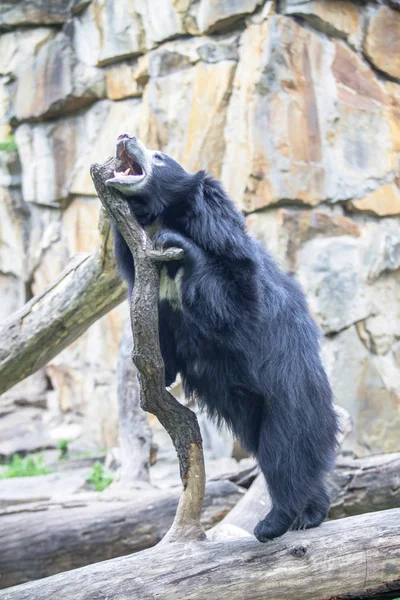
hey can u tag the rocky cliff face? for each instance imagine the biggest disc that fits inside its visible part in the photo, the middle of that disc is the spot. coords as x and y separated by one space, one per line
295 105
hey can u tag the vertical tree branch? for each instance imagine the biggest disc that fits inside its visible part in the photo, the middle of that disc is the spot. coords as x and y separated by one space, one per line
179 421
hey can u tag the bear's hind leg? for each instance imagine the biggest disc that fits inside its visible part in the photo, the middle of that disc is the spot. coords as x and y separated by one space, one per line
316 510
289 477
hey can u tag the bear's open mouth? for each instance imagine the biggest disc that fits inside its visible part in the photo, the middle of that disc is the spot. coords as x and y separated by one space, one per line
133 164
129 164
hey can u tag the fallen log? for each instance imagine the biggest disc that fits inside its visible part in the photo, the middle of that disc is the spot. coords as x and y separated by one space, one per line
361 485
356 557
356 486
44 538
86 290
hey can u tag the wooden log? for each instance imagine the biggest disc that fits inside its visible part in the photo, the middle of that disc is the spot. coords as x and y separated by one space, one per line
41 539
356 486
85 291
360 485
356 557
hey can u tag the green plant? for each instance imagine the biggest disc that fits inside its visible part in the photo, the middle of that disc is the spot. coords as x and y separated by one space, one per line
29 466
62 445
9 145
98 478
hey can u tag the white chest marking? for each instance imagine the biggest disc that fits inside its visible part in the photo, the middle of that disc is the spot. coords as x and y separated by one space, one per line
170 289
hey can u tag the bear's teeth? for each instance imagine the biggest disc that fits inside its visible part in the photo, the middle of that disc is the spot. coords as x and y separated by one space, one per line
122 173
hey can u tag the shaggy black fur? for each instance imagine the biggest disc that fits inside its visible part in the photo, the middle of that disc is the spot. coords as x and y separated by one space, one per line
242 340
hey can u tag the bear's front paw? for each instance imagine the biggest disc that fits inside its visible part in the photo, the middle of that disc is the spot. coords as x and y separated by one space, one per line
166 238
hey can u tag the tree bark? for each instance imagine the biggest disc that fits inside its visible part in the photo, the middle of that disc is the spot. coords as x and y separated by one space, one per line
356 486
134 430
44 538
353 558
85 291
179 421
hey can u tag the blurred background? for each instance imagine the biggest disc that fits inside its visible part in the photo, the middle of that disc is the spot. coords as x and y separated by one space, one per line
294 105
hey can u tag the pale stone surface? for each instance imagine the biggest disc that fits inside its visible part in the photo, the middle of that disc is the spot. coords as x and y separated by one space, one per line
382 43
381 242
111 120
331 272
381 330
215 49
334 17
11 294
160 20
53 81
84 378
382 202
5 128
10 168
393 95
48 152
125 80
56 156
12 228
185 107
364 123
396 353
304 125
36 12
54 486
204 144
19 46
32 391
101 33
77 231
368 387
101 36
44 230
24 431
283 231
12 255
212 15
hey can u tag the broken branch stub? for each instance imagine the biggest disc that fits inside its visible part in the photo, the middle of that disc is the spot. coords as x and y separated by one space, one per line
179 421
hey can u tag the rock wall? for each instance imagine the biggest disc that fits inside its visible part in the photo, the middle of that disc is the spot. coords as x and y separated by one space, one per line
294 104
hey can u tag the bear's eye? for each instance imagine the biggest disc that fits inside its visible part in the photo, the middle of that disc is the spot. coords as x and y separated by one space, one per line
158 157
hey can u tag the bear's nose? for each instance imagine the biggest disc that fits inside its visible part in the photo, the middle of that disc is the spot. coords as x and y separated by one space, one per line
126 136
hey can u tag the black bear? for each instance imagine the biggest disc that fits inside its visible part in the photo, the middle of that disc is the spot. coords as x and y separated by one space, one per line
237 329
